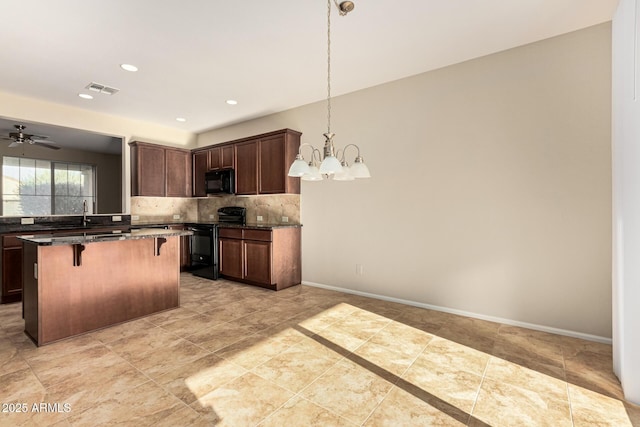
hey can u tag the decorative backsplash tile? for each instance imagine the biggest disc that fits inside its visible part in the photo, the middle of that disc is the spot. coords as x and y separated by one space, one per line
164 209
272 208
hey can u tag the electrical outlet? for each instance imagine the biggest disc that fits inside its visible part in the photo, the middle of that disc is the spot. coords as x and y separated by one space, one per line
259 218
26 221
176 216
211 216
116 218
285 219
135 217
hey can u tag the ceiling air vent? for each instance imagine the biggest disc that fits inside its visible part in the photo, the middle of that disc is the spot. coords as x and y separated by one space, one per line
97 87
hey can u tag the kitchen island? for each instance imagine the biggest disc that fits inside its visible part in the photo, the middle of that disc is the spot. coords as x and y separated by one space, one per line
81 282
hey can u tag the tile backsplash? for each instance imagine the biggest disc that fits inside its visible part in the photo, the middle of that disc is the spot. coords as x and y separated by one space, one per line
272 208
163 209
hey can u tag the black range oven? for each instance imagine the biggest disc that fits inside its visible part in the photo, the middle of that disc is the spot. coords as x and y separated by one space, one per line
204 242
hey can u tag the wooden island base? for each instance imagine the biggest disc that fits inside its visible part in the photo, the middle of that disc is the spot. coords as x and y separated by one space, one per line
112 282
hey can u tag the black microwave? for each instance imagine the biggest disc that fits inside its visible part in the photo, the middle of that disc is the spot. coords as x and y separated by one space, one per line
220 182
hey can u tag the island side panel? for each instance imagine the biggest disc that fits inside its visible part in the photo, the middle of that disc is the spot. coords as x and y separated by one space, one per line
117 281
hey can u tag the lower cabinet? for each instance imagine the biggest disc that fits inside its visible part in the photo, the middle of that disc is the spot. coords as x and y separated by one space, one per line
185 248
268 258
11 269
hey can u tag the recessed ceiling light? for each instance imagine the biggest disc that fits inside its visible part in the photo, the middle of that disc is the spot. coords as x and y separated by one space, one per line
181 119
129 67
232 101
85 96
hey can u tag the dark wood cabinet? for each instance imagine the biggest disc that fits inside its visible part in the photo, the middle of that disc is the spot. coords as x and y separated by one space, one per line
275 155
147 170
185 248
257 261
221 158
261 163
269 258
178 173
231 260
11 269
159 171
247 167
200 168
211 159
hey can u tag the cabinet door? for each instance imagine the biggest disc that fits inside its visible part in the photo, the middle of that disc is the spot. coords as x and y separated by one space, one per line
230 253
247 167
148 171
178 173
272 165
185 248
227 157
257 261
200 167
215 158
11 273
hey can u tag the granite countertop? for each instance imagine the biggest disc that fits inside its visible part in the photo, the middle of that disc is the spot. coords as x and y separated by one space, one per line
255 226
62 222
85 238
259 225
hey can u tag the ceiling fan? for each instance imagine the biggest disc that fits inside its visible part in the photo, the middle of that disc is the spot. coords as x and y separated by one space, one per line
19 137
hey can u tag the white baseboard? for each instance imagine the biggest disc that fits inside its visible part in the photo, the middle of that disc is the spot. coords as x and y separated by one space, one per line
509 322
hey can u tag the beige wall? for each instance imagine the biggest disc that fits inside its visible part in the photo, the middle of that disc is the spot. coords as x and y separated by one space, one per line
491 188
33 110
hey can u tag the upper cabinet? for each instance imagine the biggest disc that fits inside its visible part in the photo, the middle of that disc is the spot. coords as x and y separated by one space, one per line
275 154
160 171
247 167
221 157
261 163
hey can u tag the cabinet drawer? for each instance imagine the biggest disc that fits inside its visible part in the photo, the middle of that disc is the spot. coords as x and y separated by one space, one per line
11 242
230 233
264 235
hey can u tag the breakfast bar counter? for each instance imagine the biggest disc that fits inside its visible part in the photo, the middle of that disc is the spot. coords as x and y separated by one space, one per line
81 282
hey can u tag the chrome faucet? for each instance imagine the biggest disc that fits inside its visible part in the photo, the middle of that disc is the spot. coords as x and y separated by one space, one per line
85 209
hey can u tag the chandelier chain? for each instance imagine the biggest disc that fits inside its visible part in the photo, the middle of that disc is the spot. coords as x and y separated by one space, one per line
328 66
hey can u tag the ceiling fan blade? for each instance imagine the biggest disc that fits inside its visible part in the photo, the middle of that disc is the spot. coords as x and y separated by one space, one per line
8 139
13 144
39 136
47 145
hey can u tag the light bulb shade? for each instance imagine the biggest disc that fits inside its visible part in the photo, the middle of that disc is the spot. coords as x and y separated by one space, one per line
360 170
313 175
330 165
299 167
345 175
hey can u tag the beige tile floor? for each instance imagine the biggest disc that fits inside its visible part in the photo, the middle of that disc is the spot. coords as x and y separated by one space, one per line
235 355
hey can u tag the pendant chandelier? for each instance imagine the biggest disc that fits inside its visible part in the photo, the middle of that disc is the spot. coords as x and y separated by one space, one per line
332 162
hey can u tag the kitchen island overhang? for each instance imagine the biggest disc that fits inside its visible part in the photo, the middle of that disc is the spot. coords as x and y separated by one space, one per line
79 283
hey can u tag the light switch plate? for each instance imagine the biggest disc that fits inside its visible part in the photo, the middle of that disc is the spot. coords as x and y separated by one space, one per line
259 218
211 216
285 219
135 217
176 216
116 218
26 221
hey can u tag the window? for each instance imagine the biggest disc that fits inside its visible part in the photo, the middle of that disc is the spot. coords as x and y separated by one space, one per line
44 187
